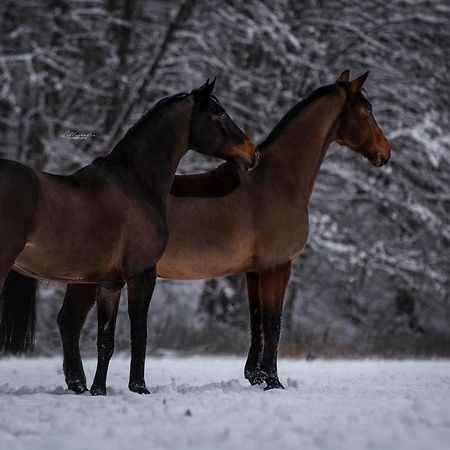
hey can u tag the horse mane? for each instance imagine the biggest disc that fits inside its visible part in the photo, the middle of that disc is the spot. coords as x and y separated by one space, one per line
153 111
319 92
117 154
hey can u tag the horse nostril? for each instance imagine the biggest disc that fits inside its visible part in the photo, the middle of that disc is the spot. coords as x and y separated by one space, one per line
383 159
256 158
255 161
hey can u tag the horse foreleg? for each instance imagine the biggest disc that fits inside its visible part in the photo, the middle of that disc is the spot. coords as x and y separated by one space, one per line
272 288
107 305
78 301
252 366
140 291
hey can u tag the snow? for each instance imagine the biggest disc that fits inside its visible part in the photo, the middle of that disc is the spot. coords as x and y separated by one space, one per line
204 403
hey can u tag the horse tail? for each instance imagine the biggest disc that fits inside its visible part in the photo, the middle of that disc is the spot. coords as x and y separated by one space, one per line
17 323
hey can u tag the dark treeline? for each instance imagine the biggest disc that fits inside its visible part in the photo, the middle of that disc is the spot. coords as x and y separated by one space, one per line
374 278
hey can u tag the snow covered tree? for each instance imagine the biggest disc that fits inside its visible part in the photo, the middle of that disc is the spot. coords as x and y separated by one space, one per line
377 236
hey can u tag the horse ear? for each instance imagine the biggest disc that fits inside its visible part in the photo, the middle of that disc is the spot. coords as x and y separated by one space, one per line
345 76
203 92
211 85
357 83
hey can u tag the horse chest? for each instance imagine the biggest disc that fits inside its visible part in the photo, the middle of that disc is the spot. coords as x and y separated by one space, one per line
281 236
145 237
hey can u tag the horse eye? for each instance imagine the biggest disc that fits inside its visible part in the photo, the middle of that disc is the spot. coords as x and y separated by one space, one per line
222 115
369 108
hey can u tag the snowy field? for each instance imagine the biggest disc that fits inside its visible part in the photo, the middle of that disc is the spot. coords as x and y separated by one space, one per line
204 403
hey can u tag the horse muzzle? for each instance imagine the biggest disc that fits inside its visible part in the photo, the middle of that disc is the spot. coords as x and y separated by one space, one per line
255 162
246 156
381 156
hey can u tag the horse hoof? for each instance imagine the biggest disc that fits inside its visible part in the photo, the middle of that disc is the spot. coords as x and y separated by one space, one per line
139 388
273 384
98 390
77 386
255 378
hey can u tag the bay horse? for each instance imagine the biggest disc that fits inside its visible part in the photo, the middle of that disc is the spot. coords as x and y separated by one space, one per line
106 223
224 222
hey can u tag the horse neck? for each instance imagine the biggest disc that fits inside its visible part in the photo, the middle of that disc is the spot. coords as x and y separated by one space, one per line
295 156
150 155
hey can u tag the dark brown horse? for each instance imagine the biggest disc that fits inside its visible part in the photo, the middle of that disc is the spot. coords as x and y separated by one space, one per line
225 222
106 224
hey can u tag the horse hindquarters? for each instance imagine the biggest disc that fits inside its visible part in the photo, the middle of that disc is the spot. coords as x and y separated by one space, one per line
18 199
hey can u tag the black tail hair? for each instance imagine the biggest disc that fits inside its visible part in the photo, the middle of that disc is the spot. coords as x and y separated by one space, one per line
17 323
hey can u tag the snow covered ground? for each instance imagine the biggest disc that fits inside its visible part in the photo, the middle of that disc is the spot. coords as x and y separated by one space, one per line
204 403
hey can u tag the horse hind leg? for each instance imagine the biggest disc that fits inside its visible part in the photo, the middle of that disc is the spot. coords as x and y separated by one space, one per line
272 288
107 306
78 301
10 247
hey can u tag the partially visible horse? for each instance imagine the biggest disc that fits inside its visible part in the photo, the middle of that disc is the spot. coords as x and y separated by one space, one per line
261 226
106 224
